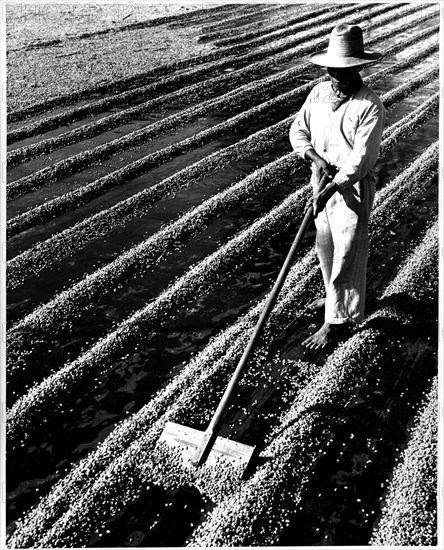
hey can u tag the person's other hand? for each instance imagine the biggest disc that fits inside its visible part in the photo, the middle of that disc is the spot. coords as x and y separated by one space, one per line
320 199
324 168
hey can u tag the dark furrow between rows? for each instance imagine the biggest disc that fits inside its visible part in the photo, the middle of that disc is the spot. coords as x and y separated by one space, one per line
238 19
261 28
272 32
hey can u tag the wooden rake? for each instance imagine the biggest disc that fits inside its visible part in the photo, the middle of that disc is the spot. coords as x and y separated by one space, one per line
198 447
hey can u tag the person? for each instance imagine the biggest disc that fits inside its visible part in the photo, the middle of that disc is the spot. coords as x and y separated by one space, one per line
339 129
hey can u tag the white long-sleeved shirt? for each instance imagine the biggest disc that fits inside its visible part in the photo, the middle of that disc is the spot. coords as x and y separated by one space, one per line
348 138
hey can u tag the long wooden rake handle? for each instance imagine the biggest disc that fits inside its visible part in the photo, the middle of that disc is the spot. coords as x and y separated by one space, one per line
211 432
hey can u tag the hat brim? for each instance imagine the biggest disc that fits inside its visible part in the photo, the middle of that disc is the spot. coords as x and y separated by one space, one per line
322 58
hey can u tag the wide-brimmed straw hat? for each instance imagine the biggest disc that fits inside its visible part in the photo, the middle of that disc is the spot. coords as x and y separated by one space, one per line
345 49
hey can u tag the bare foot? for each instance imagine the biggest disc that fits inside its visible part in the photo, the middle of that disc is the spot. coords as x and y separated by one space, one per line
325 335
319 303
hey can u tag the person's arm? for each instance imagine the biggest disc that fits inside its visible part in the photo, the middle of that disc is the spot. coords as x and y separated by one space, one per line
300 138
300 135
364 154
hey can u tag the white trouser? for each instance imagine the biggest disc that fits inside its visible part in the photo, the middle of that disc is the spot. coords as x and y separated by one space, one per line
342 247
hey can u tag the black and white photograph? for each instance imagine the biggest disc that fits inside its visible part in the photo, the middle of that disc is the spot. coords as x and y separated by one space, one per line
221 274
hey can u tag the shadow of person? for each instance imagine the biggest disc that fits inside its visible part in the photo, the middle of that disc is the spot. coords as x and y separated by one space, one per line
402 312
